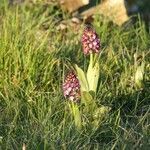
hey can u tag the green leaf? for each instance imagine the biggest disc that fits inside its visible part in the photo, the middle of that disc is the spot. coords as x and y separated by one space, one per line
76 115
82 79
139 75
92 93
99 114
88 100
93 76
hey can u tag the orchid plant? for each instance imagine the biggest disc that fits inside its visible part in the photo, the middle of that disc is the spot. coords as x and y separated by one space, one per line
80 87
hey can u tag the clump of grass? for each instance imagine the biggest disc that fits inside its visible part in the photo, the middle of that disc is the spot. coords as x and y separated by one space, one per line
32 65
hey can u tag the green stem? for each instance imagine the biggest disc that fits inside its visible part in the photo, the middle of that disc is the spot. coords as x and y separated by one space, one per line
91 59
74 108
96 58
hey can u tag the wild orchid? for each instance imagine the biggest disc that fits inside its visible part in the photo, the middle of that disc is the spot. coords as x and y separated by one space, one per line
71 87
82 87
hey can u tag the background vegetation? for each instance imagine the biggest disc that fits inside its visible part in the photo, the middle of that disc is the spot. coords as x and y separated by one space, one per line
34 56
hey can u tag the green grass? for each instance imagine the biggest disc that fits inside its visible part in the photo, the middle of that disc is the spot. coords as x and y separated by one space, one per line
34 57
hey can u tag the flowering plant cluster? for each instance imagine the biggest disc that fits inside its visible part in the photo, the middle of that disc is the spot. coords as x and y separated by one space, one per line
80 87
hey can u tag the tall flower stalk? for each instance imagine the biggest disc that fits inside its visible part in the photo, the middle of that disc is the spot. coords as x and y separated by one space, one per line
71 91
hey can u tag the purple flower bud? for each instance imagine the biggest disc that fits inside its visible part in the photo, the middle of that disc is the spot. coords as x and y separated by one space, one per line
90 41
71 87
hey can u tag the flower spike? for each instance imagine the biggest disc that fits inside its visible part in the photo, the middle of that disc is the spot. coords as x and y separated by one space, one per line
71 87
90 41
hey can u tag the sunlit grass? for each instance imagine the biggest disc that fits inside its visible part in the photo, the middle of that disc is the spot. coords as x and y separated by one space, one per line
33 61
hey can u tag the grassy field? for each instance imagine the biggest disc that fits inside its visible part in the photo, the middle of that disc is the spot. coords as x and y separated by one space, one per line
34 57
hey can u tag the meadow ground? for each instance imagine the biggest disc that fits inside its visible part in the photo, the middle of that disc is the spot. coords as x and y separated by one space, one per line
34 56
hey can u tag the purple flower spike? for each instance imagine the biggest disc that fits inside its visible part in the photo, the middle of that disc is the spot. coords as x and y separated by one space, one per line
90 41
71 87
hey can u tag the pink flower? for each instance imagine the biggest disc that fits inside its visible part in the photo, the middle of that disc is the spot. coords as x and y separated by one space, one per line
90 41
71 87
